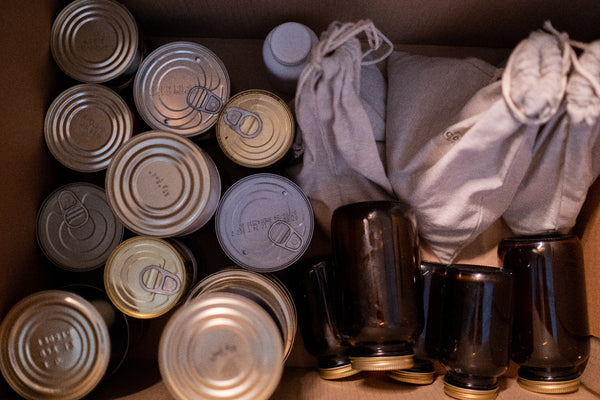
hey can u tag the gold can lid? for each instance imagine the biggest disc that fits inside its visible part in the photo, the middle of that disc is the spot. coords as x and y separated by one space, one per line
76 228
340 372
85 125
145 277
266 289
163 185
413 377
180 88
95 41
469 394
54 345
221 346
382 363
255 129
550 387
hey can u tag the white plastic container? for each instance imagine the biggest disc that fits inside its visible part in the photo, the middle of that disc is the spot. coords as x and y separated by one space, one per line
286 51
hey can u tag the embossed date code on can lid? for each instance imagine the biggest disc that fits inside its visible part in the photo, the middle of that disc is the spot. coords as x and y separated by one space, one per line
180 88
255 128
85 125
76 228
54 345
231 350
264 222
145 277
163 185
96 41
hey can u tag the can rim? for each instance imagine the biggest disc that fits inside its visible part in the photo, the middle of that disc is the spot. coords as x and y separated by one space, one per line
126 52
72 312
58 122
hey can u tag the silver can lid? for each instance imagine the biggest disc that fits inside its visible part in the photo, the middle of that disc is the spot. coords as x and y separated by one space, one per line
95 41
221 346
265 289
76 228
161 184
145 277
255 128
54 345
264 222
85 125
180 88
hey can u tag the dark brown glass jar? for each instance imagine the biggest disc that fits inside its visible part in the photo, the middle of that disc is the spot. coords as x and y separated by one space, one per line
551 335
379 302
477 322
427 345
314 283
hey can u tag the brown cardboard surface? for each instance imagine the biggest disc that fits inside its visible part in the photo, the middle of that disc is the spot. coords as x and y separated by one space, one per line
234 31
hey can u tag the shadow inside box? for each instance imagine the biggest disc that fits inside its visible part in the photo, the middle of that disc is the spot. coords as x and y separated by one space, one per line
133 376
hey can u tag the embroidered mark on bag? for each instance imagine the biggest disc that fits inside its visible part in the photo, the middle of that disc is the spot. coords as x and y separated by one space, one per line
452 136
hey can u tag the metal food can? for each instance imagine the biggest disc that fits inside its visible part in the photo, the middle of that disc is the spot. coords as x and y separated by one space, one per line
255 129
85 125
264 222
221 346
145 277
96 41
54 344
180 88
76 228
163 185
265 289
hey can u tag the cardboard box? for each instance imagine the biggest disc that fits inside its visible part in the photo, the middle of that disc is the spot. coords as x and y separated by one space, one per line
30 80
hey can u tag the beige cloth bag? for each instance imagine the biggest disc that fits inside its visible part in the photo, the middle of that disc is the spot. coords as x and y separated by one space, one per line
566 157
459 146
339 101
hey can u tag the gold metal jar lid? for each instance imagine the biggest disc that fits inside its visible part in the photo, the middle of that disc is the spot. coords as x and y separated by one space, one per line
255 128
76 228
163 185
53 345
265 289
382 363
469 394
85 125
264 222
95 41
221 346
413 377
550 387
145 277
180 88
340 372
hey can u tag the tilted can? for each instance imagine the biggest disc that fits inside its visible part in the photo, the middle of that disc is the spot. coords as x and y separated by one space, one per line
96 41
145 277
163 185
76 229
85 125
255 129
180 88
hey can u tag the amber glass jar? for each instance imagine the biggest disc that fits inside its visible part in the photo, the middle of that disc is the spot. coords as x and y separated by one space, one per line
477 322
551 336
313 294
376 261
427 345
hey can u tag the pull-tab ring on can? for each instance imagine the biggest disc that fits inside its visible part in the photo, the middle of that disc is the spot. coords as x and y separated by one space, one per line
75 214
245 123
283 235
159 282
202 99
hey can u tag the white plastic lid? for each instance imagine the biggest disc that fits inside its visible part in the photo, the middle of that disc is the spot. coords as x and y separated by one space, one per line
291 43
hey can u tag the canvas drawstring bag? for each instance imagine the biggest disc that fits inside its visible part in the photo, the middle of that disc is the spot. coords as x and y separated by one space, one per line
459 169
338 105
566 157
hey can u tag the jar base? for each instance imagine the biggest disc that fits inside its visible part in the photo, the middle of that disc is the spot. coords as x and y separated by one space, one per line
382 363
550 387
340 372
469 394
